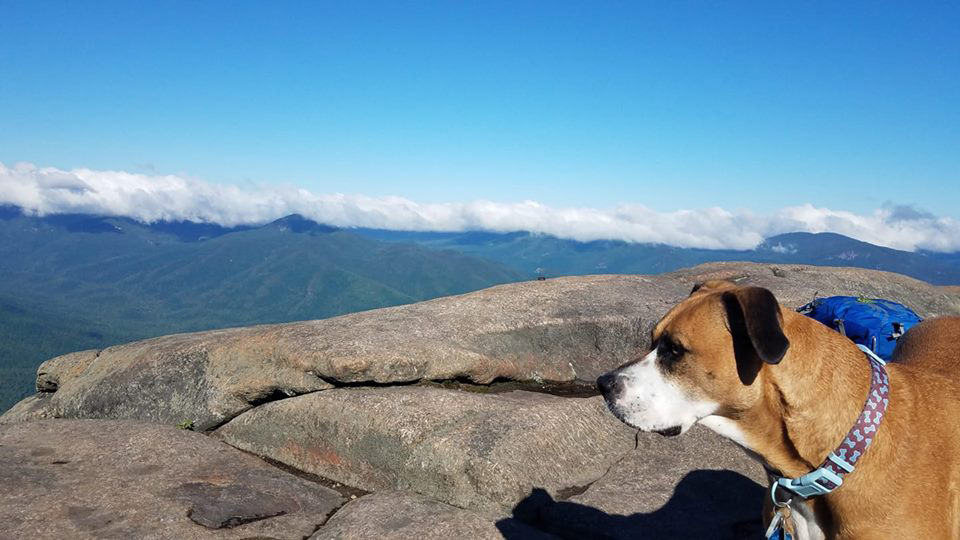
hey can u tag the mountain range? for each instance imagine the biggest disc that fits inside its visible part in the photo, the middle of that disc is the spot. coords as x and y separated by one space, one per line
75 281
531 254
70 282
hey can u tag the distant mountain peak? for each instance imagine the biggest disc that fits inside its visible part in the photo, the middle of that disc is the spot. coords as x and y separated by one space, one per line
298 224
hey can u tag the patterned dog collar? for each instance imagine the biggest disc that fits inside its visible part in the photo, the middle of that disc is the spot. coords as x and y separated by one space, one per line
839 463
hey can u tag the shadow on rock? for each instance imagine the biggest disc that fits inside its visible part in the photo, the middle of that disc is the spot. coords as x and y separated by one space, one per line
706 504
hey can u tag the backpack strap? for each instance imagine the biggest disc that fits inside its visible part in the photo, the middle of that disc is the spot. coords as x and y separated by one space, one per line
840 327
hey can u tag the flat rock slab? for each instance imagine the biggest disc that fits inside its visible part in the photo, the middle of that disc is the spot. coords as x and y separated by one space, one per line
484 452
556 331
697 485
563 464
118 479
401 515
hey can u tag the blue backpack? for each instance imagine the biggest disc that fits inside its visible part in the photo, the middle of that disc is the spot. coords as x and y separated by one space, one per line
875 323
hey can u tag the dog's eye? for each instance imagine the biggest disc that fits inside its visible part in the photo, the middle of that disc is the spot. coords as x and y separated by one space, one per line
669 352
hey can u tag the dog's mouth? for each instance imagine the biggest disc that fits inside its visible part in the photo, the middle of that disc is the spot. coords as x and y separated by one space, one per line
669 432
666 432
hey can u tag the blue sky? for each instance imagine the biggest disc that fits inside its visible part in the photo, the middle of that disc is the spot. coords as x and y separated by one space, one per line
670 105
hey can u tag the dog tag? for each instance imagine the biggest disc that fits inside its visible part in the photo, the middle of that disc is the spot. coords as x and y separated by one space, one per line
780 527
786 525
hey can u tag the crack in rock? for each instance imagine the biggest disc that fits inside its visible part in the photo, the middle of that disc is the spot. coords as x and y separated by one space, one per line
574 389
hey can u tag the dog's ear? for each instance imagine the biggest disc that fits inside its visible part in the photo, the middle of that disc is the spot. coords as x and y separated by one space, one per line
756 325
712 285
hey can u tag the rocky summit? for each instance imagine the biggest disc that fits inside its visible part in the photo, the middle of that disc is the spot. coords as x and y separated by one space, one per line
468 416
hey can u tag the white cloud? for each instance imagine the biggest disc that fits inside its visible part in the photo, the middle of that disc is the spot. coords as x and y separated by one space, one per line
149 198
780 248
899 227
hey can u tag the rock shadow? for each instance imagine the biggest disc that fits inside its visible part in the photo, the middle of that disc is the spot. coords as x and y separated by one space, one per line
722 505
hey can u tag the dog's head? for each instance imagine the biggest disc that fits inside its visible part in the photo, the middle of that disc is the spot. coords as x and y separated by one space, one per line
707 354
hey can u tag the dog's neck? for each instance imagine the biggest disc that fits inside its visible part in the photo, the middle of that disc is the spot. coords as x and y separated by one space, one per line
807 407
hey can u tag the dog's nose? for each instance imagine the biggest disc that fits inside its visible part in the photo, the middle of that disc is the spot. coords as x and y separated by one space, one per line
610 384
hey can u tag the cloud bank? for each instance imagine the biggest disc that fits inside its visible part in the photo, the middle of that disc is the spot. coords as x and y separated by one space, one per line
151 198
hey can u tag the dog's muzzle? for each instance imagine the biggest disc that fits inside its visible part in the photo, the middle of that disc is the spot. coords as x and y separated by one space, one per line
612 387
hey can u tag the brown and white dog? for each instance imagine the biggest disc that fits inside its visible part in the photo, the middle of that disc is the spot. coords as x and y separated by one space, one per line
787 389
